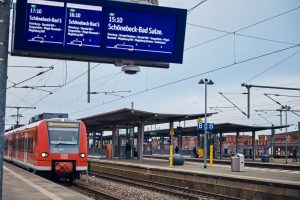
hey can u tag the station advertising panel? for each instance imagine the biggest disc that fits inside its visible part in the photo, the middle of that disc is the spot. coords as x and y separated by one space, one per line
98 31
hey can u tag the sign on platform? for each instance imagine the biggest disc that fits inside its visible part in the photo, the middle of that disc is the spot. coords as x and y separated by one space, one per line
201 126
172 132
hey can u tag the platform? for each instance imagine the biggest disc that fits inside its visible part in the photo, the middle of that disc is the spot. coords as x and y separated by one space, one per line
254 173
273 164
257 182
21 184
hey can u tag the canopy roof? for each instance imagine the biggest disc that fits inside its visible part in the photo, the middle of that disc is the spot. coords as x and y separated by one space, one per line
127 118
218 128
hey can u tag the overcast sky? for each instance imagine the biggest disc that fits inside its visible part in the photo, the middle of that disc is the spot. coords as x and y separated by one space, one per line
184 95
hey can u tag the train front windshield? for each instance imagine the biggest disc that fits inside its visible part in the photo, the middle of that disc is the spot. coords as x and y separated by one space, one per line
63 139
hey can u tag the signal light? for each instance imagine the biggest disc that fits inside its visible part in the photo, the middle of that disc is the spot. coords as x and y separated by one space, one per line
82 155
44 154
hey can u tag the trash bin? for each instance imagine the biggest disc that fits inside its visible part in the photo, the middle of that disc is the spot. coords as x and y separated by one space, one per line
178 159
237 163
265 157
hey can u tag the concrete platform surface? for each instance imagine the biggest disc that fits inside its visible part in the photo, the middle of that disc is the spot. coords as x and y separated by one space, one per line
275 163
21 184
251 173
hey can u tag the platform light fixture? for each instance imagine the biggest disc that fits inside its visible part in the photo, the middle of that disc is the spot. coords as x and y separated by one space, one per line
205 82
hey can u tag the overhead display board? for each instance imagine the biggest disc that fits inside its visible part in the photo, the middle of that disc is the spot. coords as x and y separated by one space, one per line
99 31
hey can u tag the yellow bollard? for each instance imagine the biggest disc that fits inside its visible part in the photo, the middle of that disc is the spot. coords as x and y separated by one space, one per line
171 155
171 147
211 154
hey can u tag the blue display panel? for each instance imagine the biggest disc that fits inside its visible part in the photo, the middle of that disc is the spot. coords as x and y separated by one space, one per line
100 31
151 33
45 22
83 25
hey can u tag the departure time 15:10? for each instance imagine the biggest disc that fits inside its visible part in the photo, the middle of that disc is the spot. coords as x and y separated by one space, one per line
116 19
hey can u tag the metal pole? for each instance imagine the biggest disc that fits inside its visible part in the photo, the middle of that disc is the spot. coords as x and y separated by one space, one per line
141 142
236 142
280 118
253 145
272 141
286 137
18 109
299 141
221 141
89 83
132 105
248 88
113 141
205 127
4 34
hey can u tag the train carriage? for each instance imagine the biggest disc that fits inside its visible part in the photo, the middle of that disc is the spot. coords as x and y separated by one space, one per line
52 147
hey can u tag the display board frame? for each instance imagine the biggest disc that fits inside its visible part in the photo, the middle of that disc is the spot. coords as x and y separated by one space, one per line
22 47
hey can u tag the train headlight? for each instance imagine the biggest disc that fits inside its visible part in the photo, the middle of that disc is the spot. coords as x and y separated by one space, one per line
44 154
82 155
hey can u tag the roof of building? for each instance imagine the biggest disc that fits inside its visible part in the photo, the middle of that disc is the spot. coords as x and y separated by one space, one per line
127 118
218 128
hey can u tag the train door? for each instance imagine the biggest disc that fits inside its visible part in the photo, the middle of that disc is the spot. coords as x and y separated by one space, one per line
9 147
17 146
25 147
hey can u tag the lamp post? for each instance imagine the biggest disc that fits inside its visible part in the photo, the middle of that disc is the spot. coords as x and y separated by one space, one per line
286 109
286 135
205 82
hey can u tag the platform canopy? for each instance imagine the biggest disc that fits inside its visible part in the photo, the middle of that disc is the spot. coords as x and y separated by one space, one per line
218 128
128 118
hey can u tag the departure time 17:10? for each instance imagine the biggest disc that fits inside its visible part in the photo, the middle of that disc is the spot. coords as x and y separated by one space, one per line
36 10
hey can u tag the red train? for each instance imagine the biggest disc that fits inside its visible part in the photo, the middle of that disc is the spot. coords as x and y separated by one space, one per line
56 147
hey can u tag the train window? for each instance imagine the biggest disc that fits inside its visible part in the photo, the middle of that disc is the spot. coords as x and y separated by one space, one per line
12 145
63 139
21 144
30 144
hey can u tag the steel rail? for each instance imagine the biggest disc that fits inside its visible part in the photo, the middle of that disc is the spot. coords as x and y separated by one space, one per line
170 189
88 189
146 184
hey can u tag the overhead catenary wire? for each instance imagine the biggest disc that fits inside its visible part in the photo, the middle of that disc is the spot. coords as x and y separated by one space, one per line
38 81
38 74
233 104
194 76
194 7
283 95
67 83
273 66
23 100
229 110
36 67
242 35
39 88
251 25
111 76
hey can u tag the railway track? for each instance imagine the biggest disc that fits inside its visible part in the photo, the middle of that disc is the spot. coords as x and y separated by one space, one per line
181 192
89 190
